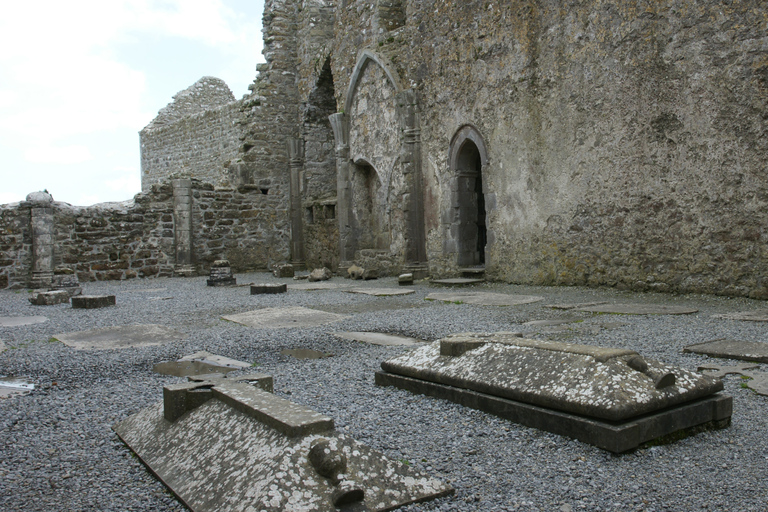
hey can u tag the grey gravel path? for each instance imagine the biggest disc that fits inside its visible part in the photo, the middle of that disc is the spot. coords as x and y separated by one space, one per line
58 452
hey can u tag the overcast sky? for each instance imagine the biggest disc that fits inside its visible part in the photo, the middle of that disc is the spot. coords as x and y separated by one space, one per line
79 80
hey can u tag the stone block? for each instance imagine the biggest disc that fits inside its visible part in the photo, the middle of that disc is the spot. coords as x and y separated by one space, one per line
51 298
285 270
405 279
93 301
355 272
261 289
370 273
320 274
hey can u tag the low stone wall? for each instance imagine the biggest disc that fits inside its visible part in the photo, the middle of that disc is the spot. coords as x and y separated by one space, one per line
135 238
249 226
15 244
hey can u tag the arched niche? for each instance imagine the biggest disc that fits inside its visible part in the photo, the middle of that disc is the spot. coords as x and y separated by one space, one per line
369 207
469 229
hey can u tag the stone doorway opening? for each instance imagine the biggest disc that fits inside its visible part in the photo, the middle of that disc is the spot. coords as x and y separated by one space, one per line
472 230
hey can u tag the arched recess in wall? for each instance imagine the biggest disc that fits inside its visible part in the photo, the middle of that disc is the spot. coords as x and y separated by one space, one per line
371 223
468 229
318 180
376 175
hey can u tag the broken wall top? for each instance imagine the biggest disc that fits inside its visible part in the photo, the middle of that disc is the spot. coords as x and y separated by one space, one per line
208 93
605 383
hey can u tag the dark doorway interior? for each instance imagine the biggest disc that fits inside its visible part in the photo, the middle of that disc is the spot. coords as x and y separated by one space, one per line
472 233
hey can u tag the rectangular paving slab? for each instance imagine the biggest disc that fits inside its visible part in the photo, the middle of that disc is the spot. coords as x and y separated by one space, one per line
731 349
602 384
239 448
283 318
120 337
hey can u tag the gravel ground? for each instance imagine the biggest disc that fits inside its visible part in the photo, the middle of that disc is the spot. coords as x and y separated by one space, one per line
59 452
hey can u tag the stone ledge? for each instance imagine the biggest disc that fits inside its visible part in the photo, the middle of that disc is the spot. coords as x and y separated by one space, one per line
712 412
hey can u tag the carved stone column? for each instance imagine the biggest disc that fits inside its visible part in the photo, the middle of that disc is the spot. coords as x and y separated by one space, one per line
340 125
41 221
296 165
182 224
410 158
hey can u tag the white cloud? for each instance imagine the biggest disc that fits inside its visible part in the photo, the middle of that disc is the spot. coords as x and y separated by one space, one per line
63 155
64 89
128 180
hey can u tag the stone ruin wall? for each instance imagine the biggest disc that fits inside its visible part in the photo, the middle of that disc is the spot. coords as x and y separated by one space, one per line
626 140
136 238
198 134
317 182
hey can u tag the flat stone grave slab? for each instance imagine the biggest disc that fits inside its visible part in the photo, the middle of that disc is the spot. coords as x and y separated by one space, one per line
382 292
731 349
305 353
199 363
270 454
484 298
319 285
267 288
552 322
13 386
124 336
614 399
18 321
759 315
457 281
93 301
638 309
283 318
575 305
377 338
146 290
756 381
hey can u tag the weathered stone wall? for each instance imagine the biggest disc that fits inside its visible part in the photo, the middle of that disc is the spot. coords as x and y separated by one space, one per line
249 228
118 240
15 244
135 238
626 140
198 134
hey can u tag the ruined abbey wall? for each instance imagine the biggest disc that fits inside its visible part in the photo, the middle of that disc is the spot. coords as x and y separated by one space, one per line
136 238
626 140
198 134
604 143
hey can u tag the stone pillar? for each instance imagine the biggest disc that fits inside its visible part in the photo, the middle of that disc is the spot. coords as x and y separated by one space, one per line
340 125
41 222
410 158
182 227
296 165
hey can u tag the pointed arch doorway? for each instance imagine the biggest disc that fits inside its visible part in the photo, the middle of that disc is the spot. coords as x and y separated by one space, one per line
469 227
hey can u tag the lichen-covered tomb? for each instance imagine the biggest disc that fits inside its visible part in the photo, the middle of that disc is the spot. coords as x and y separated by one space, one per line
617 143
612 398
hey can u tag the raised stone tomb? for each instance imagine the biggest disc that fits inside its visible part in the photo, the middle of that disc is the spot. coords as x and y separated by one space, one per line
612 398
93 301
268 288
270 454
